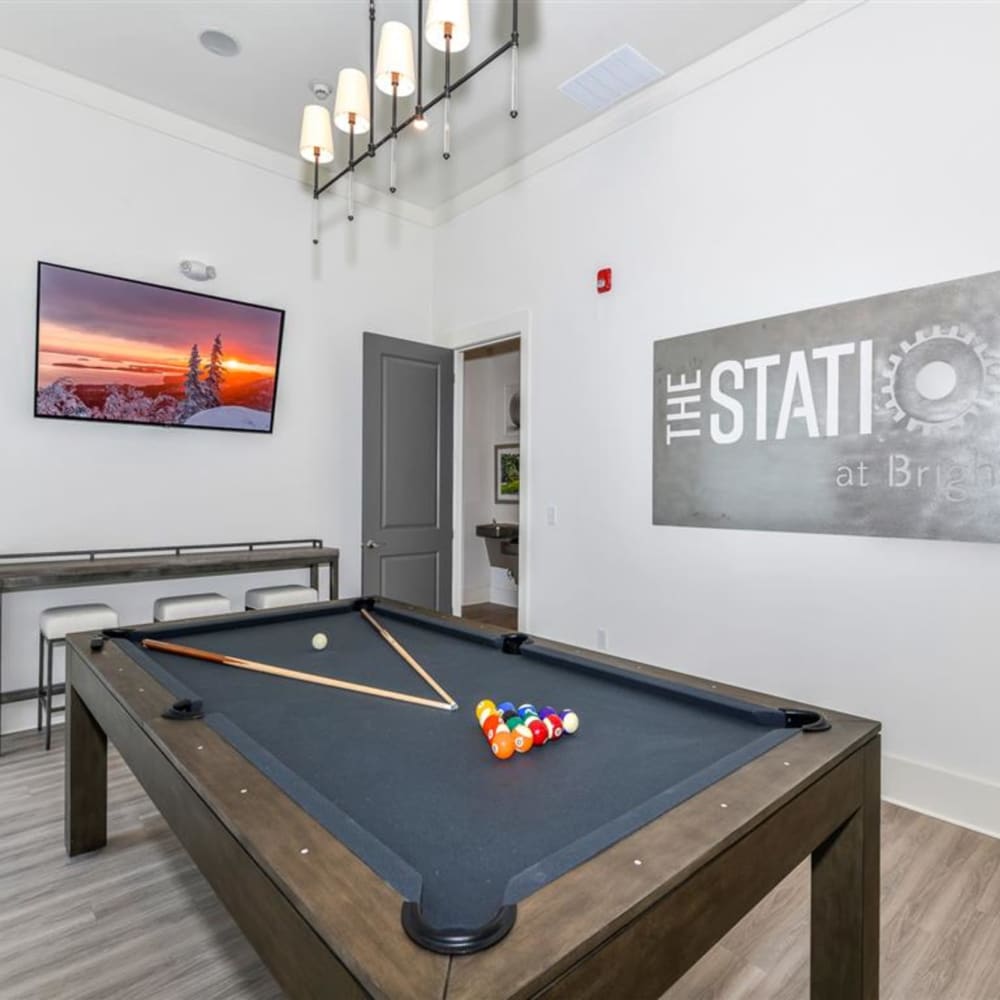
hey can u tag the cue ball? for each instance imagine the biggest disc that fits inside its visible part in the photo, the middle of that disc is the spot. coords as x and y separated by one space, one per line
319 641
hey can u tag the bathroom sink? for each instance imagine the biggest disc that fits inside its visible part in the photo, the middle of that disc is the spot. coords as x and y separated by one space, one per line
502 545
494 530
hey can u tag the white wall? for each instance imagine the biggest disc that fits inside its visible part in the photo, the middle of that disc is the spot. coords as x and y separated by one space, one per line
860 159
484 427
87 188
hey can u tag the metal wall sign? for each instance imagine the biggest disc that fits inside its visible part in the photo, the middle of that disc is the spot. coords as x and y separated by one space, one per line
874 417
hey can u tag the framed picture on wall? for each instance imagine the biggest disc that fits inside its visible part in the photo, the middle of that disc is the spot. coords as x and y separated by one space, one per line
507 473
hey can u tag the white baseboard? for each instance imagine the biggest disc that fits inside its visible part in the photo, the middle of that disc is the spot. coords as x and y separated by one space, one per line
503 591
20 716
475 595
957 798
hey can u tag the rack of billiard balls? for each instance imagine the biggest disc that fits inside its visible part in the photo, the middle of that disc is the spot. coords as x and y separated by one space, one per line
510 730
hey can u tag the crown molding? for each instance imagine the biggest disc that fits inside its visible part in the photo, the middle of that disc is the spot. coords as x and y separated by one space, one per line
58 83
762 41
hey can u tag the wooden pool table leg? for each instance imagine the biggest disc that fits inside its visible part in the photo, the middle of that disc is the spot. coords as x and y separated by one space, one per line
86 799
845 899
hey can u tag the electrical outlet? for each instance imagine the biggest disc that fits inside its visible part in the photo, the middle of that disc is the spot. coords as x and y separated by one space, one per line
602 638
551 515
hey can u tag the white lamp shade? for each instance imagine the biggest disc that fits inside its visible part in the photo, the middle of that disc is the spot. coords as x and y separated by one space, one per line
352 98
316 134
453 12
395 55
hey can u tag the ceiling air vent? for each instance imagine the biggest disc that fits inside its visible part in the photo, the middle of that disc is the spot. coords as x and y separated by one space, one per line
610 79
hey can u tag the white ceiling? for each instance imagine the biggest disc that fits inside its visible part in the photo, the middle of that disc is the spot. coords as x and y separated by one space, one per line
150 50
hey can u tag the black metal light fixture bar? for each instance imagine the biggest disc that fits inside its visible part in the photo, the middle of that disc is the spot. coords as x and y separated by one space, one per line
315 151
371 72
419 113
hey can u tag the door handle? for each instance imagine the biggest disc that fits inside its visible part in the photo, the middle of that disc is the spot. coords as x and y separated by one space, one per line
371 544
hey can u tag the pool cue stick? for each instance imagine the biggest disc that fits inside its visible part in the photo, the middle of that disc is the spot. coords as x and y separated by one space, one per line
406 656
295 675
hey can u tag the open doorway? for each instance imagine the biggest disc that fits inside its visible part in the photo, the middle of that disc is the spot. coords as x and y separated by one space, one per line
489 485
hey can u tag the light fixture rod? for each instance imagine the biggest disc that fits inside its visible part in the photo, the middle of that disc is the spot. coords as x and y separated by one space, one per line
350 178
513 80
315 207
374 146
515 49
420 57
446 118
394 134
371 76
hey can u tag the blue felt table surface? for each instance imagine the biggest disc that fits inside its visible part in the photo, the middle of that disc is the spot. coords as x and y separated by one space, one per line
416 793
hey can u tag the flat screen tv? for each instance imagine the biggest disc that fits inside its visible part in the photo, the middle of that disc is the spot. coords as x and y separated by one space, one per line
128 352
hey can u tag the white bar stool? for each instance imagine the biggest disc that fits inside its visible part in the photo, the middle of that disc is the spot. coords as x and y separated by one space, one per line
286 596
170 609
54 624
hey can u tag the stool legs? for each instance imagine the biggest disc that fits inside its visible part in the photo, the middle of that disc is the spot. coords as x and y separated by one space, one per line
54 624
41 678
46 651
48 698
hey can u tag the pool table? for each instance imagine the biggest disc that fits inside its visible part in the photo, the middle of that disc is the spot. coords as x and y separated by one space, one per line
374 847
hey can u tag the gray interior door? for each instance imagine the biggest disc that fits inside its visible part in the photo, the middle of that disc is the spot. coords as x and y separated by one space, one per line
407 471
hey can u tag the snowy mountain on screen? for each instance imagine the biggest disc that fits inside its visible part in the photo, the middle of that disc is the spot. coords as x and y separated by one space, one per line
240 418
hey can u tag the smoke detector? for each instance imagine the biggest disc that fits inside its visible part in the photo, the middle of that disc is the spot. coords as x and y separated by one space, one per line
320 90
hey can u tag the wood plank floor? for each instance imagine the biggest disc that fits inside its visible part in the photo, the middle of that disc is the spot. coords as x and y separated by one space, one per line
138 921
494 614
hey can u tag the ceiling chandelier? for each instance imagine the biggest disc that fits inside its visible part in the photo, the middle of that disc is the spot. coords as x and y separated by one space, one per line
447 29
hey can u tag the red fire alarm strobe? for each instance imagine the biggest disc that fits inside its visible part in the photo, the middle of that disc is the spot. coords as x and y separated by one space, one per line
604 280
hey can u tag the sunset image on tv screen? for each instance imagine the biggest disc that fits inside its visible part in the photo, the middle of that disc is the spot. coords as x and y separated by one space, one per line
128 352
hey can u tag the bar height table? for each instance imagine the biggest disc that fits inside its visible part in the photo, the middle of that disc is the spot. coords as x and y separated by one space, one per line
95 567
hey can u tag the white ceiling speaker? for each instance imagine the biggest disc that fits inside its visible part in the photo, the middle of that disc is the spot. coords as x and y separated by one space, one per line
219 43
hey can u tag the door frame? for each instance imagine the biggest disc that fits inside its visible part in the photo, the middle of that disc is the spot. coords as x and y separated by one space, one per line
516 324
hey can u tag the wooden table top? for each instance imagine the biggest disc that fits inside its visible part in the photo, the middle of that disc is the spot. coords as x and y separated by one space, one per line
42 573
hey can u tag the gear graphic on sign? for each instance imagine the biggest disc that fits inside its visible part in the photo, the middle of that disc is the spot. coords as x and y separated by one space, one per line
939 378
